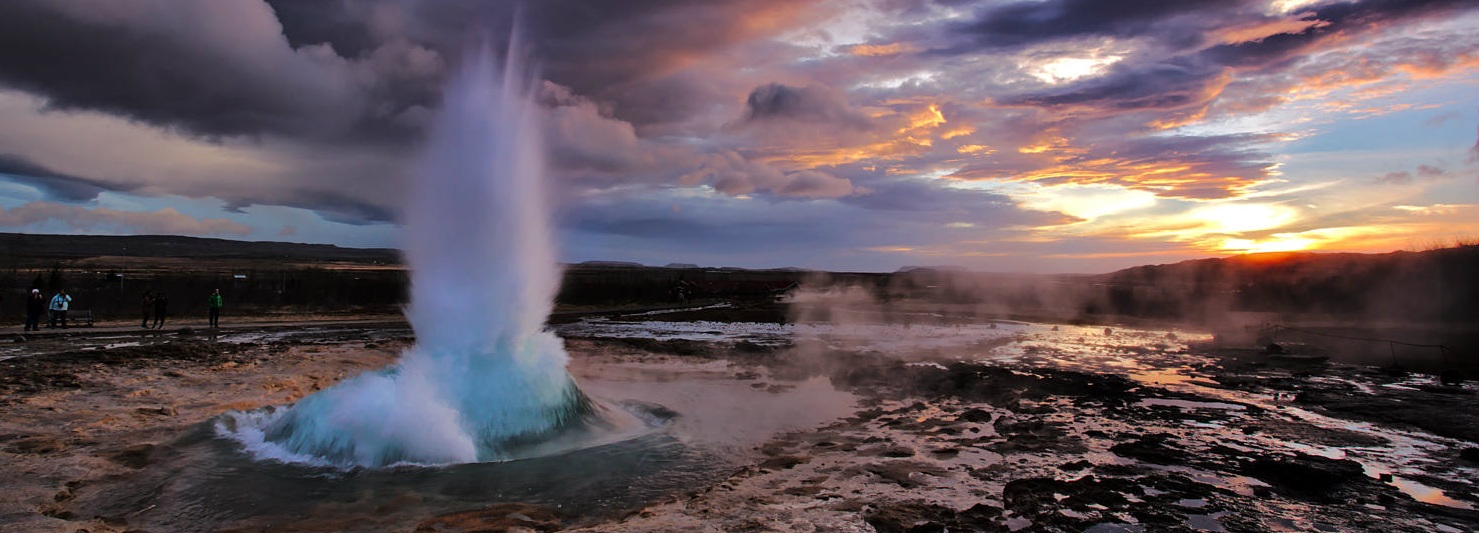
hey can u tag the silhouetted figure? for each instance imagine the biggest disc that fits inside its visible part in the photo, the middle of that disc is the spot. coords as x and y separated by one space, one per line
146 308
682 290
161 306
35 304
59 305
215 303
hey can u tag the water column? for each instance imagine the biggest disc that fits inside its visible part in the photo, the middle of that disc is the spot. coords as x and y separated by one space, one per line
484 376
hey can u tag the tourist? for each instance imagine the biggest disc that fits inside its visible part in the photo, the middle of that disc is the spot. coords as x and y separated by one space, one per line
215 303
59 304
35 304
161 306
146 308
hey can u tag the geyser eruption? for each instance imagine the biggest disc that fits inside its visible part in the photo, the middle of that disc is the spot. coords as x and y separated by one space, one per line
484 375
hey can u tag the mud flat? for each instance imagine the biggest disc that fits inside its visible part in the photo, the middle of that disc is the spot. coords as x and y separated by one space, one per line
975 427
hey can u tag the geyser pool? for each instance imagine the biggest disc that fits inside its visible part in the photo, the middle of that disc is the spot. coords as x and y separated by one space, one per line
485 377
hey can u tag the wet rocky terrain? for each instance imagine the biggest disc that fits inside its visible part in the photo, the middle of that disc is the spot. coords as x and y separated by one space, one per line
999 426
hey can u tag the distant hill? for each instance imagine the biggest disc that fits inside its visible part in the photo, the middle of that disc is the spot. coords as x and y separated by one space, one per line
608 264
1441 284
43 249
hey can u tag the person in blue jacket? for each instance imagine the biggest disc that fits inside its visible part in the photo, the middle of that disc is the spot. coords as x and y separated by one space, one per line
59 304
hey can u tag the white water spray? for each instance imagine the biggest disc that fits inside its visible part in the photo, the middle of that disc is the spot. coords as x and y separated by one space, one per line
484 375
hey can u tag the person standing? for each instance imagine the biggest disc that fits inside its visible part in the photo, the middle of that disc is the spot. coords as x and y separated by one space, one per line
215 303
146 308
35 304
59 304
161 306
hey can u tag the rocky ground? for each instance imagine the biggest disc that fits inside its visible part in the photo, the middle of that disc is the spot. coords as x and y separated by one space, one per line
928 444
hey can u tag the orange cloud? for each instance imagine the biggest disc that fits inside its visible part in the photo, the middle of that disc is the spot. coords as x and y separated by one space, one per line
914 137
1168 178
1265 29
876 50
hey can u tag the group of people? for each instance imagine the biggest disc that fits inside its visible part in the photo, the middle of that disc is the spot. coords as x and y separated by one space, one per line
154 304
57 306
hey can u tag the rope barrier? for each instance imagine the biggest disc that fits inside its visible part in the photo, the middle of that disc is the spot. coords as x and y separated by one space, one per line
1277 327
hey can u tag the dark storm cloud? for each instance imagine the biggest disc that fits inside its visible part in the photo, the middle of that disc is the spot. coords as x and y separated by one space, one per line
55 184
344 25
1192 78
812 104
1172 84
332 206
340 72
626 53
1180 23
1024 23
326 77
1336 18
206 68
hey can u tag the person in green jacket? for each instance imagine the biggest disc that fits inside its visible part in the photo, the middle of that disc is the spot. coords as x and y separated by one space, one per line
215 304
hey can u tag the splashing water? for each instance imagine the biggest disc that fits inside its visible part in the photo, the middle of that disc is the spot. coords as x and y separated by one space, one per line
485 376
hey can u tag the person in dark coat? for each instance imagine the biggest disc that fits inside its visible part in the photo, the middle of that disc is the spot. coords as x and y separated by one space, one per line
35 305
146 308
161 306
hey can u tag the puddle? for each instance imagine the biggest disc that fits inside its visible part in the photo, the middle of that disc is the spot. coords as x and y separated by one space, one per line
1427 494
1188 404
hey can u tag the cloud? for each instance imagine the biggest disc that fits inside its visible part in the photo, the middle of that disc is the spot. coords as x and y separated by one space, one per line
731 173
67 154
1396 178
938 222
1443 118
1171 166
55 184
1474 152
1404 177
903 111
219 68
1172 84
1023 23
590 146
811 104
167 221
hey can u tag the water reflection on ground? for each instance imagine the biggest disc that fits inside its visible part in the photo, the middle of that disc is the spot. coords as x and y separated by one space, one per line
1162 358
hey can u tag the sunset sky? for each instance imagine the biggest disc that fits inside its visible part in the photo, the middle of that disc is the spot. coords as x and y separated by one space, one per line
1035 136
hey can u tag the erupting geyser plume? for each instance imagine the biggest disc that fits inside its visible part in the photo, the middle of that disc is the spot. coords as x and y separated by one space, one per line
484 375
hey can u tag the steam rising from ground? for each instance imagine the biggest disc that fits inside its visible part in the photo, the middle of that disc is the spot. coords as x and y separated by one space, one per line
485 377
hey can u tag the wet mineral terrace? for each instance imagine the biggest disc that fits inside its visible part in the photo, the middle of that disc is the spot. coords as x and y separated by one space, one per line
925 425
1019 426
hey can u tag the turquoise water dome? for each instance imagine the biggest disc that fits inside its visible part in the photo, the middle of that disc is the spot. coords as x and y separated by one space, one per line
485 376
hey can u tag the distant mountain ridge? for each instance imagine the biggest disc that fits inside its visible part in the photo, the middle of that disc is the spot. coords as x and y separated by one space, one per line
46 248
1440 284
